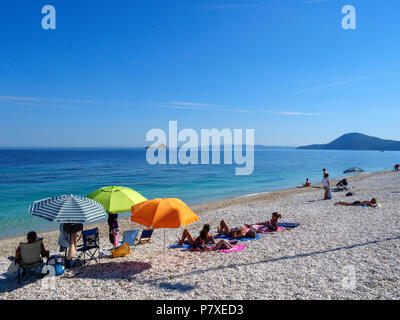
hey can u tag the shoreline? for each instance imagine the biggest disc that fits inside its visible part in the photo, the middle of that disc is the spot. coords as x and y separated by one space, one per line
336 253
199 209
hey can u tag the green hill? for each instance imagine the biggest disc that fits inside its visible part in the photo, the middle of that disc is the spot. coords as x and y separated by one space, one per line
356 141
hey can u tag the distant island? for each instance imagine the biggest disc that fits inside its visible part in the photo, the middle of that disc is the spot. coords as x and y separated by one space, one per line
160 146
356 141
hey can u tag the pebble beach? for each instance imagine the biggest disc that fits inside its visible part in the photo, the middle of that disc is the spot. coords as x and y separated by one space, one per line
337 252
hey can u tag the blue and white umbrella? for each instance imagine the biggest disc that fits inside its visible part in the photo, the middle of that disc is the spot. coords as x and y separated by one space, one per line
68 209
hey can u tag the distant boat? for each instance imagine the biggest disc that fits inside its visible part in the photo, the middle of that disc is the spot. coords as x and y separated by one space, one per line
353 170
160 146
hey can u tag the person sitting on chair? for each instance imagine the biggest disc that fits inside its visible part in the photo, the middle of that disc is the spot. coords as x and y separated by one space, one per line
31 237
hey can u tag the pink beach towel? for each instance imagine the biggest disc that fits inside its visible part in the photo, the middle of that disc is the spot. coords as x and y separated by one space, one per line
238 247
263 229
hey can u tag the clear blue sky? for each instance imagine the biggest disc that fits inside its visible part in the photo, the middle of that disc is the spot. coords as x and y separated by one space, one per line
112 70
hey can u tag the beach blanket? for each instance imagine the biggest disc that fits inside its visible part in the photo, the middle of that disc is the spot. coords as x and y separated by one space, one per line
224 236
288 225
235 248
264 229
185 246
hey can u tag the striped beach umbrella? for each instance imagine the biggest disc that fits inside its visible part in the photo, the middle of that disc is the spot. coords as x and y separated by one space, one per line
68 209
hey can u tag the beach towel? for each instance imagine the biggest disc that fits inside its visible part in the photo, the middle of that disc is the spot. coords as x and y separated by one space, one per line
263 229
235 248
288 225
185 246
224 236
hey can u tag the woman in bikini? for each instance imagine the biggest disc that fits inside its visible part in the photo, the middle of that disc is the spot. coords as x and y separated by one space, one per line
371 203
235 233
204 238
271 224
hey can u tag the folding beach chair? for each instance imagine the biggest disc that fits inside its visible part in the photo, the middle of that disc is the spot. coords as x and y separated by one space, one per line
145 237
89 248
130 237
31 260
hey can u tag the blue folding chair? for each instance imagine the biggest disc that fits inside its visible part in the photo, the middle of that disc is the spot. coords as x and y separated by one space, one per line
89 248
145 236
130 237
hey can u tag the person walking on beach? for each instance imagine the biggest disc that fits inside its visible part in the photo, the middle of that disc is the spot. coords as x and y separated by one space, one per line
396 167
327 186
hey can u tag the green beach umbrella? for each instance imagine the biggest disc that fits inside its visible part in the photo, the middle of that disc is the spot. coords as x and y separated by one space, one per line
116 199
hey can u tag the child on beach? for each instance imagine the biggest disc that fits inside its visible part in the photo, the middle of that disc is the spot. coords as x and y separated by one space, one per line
271 224
235 233
371 203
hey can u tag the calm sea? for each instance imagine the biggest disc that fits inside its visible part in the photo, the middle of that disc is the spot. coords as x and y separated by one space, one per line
27 175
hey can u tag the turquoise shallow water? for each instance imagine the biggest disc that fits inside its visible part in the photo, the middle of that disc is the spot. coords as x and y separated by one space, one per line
27 175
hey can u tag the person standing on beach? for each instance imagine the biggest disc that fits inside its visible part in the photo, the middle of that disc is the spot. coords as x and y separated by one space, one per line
327 186
113 229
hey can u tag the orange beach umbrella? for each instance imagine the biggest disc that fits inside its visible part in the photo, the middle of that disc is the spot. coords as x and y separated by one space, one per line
163 213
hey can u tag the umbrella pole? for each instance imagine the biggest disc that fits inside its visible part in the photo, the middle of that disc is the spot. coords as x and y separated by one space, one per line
164 238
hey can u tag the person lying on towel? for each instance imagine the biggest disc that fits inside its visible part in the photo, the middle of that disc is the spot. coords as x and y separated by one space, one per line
271 224
235 233
201 241
371 203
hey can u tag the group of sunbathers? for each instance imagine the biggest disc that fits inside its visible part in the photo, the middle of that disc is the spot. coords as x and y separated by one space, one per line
206 238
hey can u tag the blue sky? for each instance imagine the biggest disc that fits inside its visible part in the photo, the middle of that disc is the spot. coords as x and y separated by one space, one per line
112 70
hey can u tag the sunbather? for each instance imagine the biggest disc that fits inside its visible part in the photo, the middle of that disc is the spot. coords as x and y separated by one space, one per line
201 241
371 203
223 245
306 184
272 223
235 233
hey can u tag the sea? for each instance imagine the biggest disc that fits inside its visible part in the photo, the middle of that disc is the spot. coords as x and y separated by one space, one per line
27 175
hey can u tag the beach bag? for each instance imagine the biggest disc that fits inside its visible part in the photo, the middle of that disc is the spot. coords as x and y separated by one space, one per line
122 251
115 238
12 268
57 262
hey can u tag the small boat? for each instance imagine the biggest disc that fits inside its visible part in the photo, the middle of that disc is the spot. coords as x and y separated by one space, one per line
161 146
353 170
